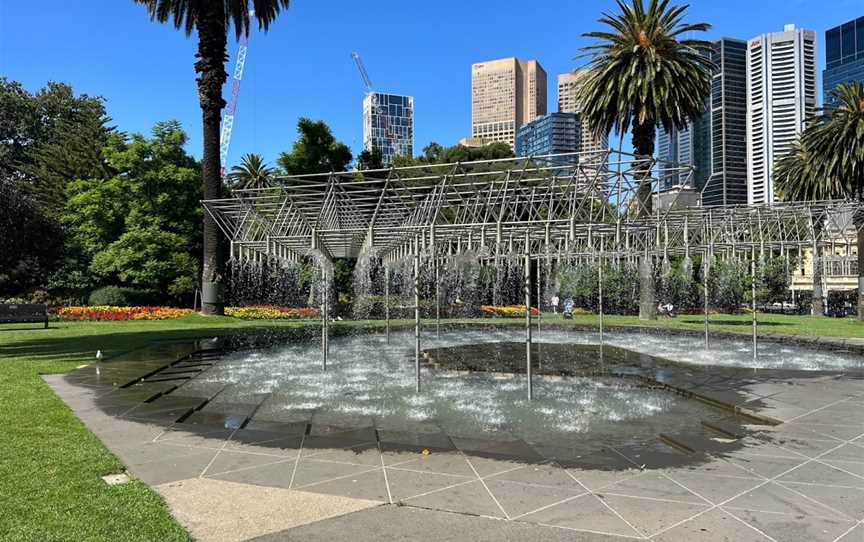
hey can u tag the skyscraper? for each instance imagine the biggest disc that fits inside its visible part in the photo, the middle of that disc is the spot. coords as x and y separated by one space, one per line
688 147
568 102
505 94
844 56
727 183
388 125
781 96
554 133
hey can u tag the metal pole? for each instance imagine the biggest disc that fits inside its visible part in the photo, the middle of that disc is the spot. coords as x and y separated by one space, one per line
417 319
753 293
324 346
707 270
387 300
600 296
437 300
528 314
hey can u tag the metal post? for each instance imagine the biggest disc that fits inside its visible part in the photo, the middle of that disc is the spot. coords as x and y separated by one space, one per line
387 300
324 346
528 314
706 271
753 293
437 300
417 319
600 295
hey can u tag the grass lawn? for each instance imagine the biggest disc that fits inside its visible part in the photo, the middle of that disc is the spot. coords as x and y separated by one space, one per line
50 463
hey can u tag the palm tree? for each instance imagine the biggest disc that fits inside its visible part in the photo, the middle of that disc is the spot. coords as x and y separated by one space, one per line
794 180
829 163
211 20
252 172
642 76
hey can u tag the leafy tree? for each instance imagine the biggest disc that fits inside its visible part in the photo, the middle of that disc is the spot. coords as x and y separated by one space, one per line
252 172
141 227
642 76
830 164
315 150
370 159
211 20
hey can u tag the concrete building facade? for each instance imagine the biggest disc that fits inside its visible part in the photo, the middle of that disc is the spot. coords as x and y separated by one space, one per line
505 94
781 97
388 125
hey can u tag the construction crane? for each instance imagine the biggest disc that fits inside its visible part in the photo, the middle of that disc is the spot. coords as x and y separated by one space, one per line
231 109
380 109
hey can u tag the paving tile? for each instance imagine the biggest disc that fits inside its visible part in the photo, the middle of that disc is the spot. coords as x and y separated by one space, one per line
488 467
819 473
542 475
768 467
852 467
714 525
856 534
368 485
842 432
805 446
846 452
653 486
518 499
585 513
444 463
405 484
189 437
310 471
281 447
471 498
171 469
834 417
714 466
226 461
775 498
786 528
361 455
716 489
847 500
271 475
649 516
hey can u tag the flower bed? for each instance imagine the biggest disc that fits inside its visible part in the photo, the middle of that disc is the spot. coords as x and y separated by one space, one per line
111 313
506 311
271 312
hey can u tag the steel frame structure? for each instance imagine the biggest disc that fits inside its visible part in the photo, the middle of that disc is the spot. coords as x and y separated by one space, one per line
554 206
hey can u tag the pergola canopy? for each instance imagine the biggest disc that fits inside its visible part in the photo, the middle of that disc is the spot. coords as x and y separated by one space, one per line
564 204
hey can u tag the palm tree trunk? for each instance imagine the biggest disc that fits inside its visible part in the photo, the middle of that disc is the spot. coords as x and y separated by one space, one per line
643 148
210 67
817 303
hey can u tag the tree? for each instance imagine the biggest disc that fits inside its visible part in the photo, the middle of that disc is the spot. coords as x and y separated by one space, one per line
252 172
211 19
141 227
315 150
642 76
47 139
370 159
829 163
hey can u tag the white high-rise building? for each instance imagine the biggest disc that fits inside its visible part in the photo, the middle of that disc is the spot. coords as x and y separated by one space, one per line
781 97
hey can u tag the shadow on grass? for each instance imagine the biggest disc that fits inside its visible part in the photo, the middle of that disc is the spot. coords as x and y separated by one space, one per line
742 323
81 347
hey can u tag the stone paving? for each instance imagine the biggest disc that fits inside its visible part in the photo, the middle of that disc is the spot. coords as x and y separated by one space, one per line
799 480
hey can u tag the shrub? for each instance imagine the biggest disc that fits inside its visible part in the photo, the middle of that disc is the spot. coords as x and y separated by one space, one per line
117 296
270 312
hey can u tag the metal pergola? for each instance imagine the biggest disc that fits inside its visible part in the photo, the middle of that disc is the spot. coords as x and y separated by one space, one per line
554 207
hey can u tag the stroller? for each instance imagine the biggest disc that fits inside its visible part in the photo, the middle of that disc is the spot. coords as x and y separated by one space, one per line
567 311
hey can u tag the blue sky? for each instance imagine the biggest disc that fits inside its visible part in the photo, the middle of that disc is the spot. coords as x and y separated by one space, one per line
303 66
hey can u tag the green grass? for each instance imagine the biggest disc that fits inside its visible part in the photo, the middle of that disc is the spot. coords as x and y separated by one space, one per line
50 463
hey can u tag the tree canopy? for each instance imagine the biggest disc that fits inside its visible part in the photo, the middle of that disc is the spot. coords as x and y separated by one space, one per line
316 150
